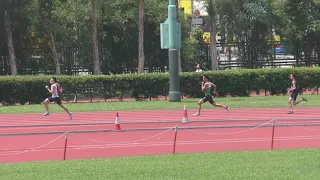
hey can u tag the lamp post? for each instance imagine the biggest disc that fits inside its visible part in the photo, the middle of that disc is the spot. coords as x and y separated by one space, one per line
170 32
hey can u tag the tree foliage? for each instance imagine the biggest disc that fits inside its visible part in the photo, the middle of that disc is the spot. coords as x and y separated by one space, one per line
250 23
302 26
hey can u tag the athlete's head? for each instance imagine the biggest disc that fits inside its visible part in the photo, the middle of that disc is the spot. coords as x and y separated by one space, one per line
292 76
205 78
53 80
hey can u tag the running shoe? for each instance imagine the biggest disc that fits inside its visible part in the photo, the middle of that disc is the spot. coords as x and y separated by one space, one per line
46 114
70 116
227 108
290 112
196 114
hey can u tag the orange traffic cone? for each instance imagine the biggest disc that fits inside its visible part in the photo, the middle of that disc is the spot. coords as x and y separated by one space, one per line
185 115
117 123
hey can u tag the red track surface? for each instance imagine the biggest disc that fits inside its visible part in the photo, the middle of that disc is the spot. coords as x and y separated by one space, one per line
110 144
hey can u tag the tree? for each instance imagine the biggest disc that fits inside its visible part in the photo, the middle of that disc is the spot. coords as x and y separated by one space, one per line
141 37
45 11
96 61
213 32
251 23
12 55
58 33
72 21
302 28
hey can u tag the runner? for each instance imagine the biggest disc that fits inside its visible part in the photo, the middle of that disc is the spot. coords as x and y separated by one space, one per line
293 92
206 87
55 90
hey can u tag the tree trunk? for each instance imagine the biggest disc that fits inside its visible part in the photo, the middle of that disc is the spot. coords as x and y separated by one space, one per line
213 32
12 55
45 8
53 49
141 37
179 51
96 60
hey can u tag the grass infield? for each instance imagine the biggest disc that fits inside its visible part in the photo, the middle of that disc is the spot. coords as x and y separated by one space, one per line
254 165
235 102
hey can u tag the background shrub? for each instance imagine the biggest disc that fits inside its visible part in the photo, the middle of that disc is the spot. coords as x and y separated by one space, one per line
22 89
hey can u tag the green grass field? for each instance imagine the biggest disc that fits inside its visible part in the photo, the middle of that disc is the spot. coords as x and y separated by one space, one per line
239 102
258 165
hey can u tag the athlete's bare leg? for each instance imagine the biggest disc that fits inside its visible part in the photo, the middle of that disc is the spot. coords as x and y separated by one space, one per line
66 109
302 99
297 102
291 103
46 105
199 108
221 106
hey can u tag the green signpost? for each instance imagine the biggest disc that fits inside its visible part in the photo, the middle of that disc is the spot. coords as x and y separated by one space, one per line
170 32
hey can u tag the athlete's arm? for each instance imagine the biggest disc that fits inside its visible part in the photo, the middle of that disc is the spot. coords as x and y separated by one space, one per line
204 87
52 88
214 87
59 88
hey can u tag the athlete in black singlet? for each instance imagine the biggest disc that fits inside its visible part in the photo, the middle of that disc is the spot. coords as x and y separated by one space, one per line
293 92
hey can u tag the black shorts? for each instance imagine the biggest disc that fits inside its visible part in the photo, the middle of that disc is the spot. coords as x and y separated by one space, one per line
209 99
55 99
294 94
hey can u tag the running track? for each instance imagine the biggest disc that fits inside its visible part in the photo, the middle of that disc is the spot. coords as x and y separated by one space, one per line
154 142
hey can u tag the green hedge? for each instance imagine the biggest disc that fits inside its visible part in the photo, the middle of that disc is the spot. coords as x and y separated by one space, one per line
234 82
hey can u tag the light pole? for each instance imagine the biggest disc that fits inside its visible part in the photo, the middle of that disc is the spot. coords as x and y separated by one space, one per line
170 32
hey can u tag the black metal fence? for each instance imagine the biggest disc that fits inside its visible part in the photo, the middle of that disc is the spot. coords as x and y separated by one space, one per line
263 55
231 56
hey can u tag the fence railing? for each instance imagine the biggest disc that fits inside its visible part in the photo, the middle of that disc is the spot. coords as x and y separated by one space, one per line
230 56
202 136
